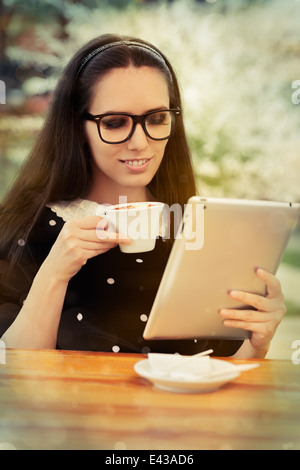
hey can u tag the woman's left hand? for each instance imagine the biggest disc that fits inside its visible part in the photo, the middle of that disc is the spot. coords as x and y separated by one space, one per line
263 321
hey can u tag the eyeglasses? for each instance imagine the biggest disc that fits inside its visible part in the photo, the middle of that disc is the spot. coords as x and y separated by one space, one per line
116 128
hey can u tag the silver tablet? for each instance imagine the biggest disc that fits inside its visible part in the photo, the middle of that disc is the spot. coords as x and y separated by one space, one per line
218 247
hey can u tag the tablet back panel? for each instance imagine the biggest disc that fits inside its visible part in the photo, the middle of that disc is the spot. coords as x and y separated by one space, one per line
239 237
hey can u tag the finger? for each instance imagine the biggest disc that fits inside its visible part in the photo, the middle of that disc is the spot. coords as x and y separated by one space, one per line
89 238
259 302
272 283
92 229
89 223
241 325
104 248
104 235
97 246
89 253
99 236
83 228
245 315
260 330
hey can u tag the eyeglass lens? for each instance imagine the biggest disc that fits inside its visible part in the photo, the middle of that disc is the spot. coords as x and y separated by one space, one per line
117 127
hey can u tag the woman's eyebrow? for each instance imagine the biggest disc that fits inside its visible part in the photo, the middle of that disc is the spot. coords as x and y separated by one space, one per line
159 108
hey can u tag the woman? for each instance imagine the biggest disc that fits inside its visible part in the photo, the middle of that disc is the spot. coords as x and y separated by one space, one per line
100 143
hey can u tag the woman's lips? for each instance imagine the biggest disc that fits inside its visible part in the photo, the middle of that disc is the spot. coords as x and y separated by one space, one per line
136 165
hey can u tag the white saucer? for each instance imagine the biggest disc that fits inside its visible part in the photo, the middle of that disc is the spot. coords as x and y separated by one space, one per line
199 384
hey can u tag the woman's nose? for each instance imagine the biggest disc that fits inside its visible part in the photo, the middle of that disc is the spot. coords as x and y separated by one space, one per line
138 140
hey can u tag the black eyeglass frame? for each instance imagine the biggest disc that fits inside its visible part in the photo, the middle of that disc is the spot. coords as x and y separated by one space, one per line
136 119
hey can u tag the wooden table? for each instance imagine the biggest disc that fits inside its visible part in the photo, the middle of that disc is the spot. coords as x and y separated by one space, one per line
81 400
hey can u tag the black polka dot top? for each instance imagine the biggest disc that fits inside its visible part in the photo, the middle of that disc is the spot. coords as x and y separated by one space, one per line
107 303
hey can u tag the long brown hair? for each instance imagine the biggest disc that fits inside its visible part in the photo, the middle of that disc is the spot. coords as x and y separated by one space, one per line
58 167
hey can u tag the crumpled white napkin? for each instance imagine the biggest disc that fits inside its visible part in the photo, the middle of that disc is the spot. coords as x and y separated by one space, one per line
175 366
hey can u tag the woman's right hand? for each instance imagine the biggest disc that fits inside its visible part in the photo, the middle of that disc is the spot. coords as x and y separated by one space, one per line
78 241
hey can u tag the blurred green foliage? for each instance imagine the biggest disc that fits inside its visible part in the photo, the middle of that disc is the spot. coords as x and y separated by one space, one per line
236 61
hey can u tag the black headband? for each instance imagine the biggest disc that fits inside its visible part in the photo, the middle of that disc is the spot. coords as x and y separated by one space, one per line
113 44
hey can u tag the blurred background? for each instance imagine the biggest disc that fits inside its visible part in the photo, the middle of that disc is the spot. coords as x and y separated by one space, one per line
238 66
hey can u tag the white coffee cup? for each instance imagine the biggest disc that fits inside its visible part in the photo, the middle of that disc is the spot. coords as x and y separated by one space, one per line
140 221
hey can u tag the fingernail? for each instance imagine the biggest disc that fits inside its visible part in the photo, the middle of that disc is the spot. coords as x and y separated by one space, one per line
233 293
224 312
